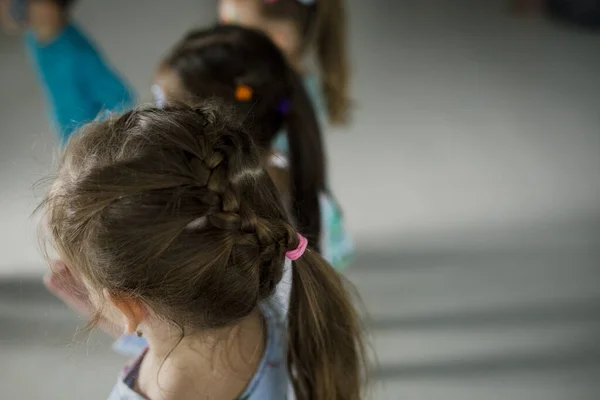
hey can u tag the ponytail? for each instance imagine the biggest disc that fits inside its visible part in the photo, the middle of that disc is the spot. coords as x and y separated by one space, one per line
307 161
332 56
326 355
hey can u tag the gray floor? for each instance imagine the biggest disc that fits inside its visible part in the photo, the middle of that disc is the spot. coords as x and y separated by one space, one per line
519 320
469 177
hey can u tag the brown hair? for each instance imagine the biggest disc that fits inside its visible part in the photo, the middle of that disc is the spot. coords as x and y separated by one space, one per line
65 5
323 25
172 206
212 62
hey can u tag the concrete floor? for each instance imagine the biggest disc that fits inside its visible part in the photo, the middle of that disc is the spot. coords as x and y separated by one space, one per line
469 177
517 321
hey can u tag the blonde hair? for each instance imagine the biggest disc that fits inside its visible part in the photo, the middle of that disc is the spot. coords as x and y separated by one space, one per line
323 27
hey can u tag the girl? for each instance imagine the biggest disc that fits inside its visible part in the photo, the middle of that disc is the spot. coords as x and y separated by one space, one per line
77 80
245 68
173 227
303 28
242 66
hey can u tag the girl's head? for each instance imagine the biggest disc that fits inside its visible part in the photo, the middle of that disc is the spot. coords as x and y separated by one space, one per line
170 210
47 14
243 67
298 26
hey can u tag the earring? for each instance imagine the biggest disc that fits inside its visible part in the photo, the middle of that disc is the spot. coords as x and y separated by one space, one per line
138 333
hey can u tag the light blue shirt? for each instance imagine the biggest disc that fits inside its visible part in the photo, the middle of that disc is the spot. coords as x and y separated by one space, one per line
270 381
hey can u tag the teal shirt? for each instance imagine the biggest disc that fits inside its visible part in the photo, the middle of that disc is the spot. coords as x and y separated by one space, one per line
77 81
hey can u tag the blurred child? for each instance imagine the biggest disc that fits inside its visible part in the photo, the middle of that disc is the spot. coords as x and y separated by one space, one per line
243 67
176 231
77 81
303 29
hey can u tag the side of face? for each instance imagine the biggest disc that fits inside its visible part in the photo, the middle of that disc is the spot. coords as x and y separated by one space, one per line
166 86
117 309
42 13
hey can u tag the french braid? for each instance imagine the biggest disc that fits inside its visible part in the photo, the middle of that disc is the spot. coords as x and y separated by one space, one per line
219 168
172 207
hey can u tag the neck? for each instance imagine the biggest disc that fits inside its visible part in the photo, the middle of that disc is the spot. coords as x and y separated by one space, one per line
296 61
217 364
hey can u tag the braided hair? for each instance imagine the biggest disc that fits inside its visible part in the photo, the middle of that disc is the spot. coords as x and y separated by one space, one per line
172 206
213 62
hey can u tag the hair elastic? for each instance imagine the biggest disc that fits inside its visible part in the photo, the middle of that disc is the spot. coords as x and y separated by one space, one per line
243 92
298 251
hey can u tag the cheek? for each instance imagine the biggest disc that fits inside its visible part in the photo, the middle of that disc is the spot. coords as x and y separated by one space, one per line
159 95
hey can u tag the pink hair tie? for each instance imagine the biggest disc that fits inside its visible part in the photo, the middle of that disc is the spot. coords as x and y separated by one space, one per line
298 251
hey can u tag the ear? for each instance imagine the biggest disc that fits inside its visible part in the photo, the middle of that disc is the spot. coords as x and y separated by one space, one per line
132 309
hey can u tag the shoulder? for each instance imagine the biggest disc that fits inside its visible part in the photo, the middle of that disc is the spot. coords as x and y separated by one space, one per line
311 84
75 34
315 93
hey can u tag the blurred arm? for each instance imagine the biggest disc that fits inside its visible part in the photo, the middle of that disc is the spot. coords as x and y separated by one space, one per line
103 85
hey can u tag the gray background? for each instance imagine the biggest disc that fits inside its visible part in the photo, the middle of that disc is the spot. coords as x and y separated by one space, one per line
469 178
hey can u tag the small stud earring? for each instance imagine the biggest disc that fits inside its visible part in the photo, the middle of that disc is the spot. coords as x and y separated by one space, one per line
138 333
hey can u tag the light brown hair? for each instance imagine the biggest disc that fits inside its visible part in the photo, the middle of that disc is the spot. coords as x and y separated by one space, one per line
323 26
173 207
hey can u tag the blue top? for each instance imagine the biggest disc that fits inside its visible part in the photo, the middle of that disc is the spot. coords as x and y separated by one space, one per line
77 81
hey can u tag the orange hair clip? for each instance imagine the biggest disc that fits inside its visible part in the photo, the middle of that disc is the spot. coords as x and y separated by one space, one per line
243 92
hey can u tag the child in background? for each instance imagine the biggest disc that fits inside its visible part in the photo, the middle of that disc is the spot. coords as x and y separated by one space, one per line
308 31
77 81
170 222
303 29
243 67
